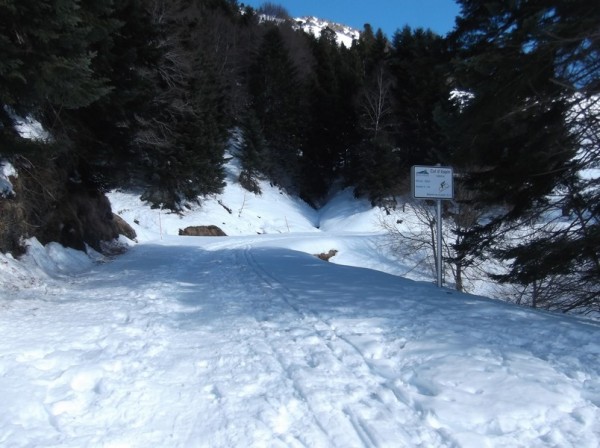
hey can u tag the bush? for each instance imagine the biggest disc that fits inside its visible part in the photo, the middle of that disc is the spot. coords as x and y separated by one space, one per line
51 204
248 182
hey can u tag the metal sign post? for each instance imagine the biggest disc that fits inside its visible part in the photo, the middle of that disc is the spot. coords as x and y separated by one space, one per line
439 243
434 182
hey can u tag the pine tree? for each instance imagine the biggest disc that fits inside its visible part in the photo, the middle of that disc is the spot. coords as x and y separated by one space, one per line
56 64
333 117
529 68
375 169
182 140
374 101
276 100
373 49
46 56
104 132
254 151
419 66
372 165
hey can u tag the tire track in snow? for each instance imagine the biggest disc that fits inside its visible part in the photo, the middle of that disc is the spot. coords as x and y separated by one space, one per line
377 413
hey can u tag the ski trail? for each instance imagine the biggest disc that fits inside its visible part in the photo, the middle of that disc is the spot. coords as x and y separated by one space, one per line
176 346
180 324
371 406
244 392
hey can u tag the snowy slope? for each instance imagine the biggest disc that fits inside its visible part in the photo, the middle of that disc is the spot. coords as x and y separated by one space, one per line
350 226
251 341
344 34
314 25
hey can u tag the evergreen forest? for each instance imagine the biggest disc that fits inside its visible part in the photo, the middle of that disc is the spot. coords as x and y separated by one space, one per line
145 94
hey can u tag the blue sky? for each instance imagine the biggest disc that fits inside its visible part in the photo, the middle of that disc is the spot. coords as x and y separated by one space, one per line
389 15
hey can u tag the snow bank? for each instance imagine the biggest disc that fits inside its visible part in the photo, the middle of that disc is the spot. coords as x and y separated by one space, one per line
344 213
56 260
250 340
41 268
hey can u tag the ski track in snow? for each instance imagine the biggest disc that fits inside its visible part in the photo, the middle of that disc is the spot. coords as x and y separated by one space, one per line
367 400
209 346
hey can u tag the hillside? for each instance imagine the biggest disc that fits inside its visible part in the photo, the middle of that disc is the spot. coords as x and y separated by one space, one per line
349 225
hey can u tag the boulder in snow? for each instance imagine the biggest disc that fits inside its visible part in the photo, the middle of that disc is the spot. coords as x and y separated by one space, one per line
202 231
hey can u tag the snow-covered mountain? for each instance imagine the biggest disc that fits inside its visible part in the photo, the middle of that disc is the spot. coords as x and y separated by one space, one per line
314 25
250 340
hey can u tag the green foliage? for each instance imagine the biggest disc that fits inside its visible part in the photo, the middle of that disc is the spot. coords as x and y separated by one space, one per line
182 140
529 66
403 84
253 153
46 55
104 132
419 65
277 102
274 10
514 129
377 172
333 115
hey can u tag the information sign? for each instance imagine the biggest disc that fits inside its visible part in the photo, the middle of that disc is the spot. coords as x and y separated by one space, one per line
432 182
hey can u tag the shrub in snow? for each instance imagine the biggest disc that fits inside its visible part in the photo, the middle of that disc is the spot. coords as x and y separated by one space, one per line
248 182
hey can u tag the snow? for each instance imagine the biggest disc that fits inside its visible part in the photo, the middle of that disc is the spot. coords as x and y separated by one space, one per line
6 186
249 340
344 34
28 127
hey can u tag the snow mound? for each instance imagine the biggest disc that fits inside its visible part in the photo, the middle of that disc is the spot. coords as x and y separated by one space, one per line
344 212
56 261
41 267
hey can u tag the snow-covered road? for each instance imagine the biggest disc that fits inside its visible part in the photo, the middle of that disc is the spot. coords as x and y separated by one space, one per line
177 345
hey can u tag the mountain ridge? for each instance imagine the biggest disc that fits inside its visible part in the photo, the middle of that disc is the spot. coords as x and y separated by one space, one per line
314 25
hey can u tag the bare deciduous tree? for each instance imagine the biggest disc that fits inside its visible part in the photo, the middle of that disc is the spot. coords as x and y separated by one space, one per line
376 106
414 232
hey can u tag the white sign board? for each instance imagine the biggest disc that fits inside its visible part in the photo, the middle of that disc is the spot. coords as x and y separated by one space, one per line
432 182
